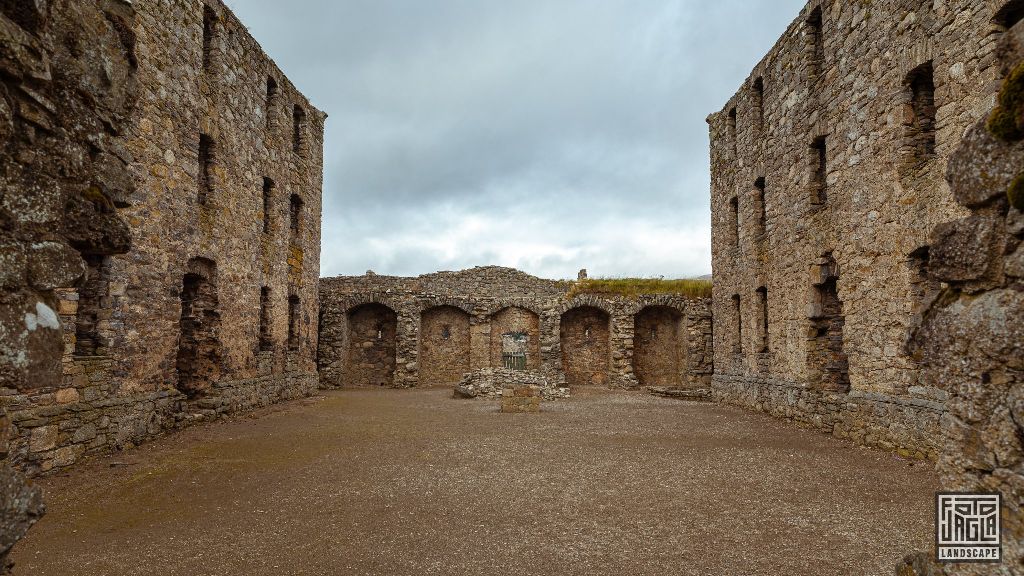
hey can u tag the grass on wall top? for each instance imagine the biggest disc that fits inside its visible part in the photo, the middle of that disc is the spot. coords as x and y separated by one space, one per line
633 287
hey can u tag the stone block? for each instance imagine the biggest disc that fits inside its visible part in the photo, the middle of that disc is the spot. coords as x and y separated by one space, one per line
67 396
43 438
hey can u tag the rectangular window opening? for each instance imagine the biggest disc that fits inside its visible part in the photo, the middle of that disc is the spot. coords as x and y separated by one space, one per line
919 117
759 200
207 156
293 322
266 341
819 172
268 204
759 102
762 296
815 45
209 36
298 129
737 346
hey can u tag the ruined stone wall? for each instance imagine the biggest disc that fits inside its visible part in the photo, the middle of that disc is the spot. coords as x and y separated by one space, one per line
970 337
658 332
512 317
222 203
67 83
444 346
826 177
508 327
586 346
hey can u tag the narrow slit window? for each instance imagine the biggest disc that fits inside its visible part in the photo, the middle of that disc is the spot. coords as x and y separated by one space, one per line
293 322
271 100
919 117
93 308
298 129
732 130
206 162
815 45
734 220
295 216
209 36
737 345
819 170
268 204
759 102
759 185
266 341
762 296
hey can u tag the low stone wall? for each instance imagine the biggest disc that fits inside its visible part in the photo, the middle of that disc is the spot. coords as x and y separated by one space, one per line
53 429
429 330
490 382
908 426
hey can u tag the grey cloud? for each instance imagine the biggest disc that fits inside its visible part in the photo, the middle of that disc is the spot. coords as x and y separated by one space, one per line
547 134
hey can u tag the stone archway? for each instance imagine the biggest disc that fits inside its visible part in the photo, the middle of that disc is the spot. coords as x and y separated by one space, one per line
371 351
659 346
444 346
586 350
515 332
199 347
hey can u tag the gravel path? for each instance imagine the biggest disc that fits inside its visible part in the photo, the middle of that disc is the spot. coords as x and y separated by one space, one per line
384 482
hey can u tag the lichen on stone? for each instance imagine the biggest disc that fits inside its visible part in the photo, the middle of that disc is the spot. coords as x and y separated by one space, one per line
1004 122
1016 192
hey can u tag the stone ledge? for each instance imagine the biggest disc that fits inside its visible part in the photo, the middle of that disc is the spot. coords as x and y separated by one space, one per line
696 395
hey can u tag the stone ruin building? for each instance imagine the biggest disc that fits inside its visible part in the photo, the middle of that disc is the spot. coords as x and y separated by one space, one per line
160 225
827 177
160 197
432 330
867 253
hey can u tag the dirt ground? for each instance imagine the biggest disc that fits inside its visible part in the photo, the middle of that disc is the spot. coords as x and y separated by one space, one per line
386 482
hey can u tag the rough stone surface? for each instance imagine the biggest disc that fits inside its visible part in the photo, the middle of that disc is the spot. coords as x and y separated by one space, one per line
430 330
21 506
492 382
67 83
167 151
827 179
970 339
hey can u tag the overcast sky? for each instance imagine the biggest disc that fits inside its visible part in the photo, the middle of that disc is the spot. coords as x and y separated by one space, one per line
548 135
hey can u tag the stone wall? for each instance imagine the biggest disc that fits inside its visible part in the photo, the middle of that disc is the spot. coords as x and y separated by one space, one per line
199 212
444 345
586 353
826 177
512 317
67 82
970 337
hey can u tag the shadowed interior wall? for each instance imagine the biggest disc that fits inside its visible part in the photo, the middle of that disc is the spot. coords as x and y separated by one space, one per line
444 346
372 329
659 346
511 321
585 346
199 347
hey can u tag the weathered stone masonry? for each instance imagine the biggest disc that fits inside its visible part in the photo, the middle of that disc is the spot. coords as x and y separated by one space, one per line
433 329
970 337
208 304
826 178
67 83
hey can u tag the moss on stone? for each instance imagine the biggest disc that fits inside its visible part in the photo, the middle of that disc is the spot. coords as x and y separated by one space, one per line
633 287
1016 193
1003 123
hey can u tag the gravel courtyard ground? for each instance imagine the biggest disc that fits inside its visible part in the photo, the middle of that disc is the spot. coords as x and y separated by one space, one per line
387 482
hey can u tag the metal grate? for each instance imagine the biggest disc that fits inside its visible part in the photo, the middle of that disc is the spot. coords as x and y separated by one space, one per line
514 360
